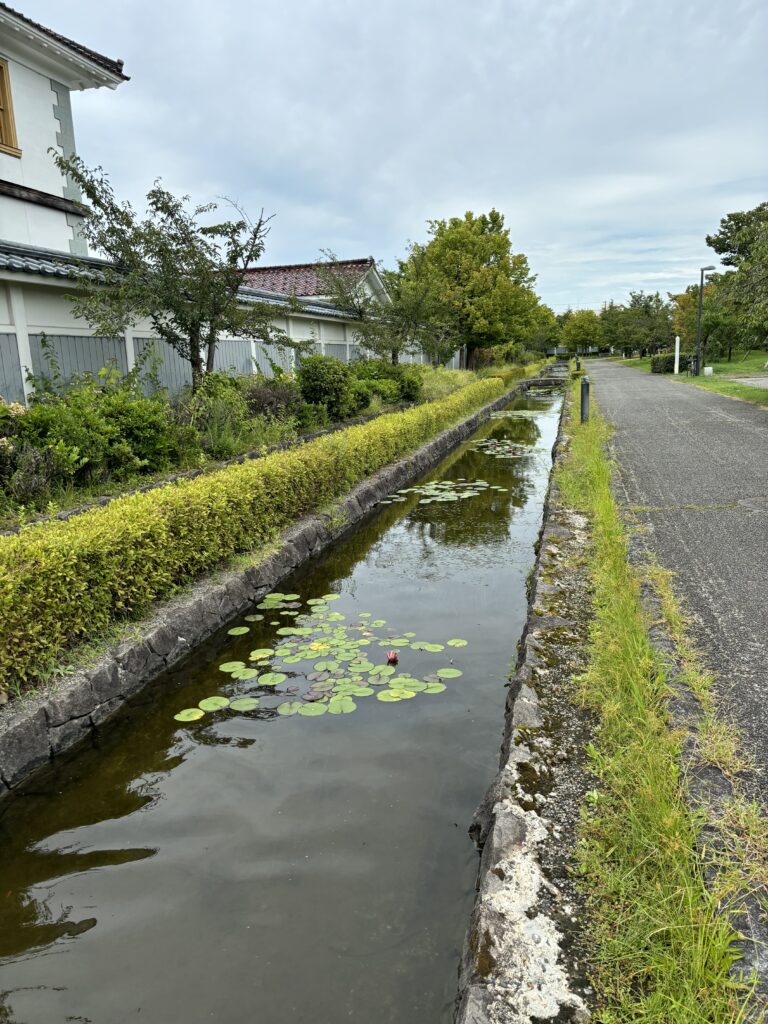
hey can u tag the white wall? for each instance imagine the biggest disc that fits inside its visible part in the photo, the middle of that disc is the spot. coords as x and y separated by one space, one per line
30 307
36 127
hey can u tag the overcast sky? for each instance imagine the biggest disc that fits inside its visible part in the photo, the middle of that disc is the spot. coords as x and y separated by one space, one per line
612 134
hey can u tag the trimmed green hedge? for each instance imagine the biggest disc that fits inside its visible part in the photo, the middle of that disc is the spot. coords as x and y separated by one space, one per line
63 582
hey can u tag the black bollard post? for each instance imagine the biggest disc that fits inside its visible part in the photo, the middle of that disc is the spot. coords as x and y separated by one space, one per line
584 399
578 364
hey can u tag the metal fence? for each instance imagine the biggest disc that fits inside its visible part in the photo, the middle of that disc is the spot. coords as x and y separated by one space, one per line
75 355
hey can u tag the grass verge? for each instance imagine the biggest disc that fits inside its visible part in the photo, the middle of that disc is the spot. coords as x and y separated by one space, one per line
662 953
718 384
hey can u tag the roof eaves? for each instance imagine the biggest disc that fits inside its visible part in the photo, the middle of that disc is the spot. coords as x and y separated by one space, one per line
114 67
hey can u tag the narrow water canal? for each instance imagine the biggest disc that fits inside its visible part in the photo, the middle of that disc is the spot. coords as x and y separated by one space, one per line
255 866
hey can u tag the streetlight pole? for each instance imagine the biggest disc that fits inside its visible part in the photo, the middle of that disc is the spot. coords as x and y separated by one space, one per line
698 325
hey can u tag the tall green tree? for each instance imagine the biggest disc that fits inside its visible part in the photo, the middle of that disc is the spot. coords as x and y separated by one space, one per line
581 330
742 243
405 320
176 267
738 233
481 288
647 322
611 321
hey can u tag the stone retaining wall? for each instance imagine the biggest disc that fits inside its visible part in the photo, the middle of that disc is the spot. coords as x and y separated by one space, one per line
522 960
39 728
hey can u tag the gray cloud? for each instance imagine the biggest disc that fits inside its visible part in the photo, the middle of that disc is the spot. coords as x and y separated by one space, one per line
613 134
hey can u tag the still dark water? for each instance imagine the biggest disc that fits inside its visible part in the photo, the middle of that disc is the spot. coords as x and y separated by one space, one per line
270 869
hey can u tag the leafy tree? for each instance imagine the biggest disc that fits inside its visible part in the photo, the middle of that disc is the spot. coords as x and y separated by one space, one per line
647 322
170 267
738 234
581 330
544 331
483 292
720 330
403 321
744 292
611 321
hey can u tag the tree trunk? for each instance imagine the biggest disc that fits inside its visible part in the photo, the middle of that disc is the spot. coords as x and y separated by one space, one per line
395 356
211 356
196 361
730 350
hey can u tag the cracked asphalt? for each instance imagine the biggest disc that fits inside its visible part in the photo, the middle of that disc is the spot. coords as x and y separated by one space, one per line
694 467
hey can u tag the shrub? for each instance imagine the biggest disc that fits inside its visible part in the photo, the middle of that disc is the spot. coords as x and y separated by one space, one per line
63 581
387 390
326 381
664 362
407 378
439 382
361 392
268 397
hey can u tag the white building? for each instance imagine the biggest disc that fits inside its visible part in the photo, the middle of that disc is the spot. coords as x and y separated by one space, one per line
39 237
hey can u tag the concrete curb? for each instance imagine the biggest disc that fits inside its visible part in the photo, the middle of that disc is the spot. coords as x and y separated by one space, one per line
44 726
515 967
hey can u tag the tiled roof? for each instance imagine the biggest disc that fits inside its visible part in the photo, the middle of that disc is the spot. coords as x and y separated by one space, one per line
27 259
114 66
303 278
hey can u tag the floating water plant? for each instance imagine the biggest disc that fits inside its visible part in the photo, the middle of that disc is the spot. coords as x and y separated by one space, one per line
501 448
335 658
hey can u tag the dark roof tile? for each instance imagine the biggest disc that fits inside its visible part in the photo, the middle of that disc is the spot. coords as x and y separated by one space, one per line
114 66
302 278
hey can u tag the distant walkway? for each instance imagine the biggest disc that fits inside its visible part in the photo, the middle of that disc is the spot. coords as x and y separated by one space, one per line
696 465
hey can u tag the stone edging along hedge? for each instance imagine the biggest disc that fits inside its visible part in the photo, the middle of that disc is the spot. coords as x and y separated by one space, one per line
44 726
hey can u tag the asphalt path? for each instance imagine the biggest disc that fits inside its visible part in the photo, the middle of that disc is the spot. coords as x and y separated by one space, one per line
693 466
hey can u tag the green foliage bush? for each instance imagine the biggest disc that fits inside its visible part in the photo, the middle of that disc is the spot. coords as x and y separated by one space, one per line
439 382
65 581
326 381
361 393
664 362
406 378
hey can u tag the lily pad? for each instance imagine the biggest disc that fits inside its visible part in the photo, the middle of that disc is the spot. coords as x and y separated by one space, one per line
362 691
244 704
360 666
230 666
213 703
238 631
244 673
449 673
313 710
341 705
326 666
189 715
434 687
272 678
383 670
290 707
261 652
253 618
390 696
457 643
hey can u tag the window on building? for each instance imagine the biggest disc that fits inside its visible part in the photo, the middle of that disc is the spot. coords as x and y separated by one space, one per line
8 142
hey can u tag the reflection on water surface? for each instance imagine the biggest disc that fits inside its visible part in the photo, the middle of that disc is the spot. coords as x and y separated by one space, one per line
283 868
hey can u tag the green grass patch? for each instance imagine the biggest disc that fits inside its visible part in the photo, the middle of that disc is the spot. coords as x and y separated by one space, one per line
730 388
662 953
